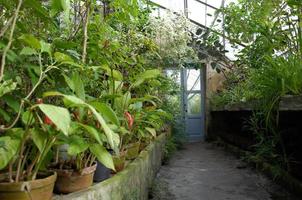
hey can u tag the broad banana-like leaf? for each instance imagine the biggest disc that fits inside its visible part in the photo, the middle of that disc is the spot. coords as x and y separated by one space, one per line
106 111
102 155
112 138
58 115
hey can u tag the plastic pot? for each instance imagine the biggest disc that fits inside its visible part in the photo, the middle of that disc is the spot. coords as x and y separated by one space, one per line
132 151
101 173
71 181
38 189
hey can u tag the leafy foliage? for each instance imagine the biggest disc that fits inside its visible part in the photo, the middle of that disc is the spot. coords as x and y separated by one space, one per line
268 66
80 73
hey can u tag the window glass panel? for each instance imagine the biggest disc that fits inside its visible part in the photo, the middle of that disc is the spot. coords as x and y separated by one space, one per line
193 79
194 104
174 75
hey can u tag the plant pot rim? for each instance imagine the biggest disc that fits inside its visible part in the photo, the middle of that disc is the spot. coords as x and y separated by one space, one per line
121 153
50 178
72 172
133 144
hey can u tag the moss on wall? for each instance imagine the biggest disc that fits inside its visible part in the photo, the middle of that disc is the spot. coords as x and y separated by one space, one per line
130 184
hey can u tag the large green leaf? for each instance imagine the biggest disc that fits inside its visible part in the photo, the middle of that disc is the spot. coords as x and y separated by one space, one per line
28 51
69 82
27 118
5 115
31 41
77 145
59 6
45 47
72 101
112 138
8 149
111 72
106 111
61 57
39 137
56 7
79 86
93 132
152 131
102 155
146 75
58 115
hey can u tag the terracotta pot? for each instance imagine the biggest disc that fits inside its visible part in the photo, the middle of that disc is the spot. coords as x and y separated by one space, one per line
142 146
38 189
70 180
119 161
132 151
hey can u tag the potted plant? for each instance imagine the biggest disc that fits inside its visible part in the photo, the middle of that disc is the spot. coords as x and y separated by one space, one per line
90 133
25 151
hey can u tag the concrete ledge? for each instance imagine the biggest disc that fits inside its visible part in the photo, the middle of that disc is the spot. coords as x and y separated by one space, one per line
130 184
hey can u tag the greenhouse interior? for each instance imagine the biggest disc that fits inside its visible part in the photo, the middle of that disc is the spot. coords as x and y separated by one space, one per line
150 99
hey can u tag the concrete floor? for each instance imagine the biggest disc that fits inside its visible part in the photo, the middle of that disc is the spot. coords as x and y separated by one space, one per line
203 171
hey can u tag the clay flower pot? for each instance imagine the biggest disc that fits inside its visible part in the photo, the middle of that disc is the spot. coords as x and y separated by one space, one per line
132 150
142 146
38 189
119 161
70 180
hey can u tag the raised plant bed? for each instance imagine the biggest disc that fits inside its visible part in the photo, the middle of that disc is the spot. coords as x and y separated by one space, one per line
131 183
230 125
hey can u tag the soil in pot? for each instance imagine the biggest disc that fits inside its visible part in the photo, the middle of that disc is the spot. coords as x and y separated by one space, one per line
70 180
132 151
41 188
101 173
119 161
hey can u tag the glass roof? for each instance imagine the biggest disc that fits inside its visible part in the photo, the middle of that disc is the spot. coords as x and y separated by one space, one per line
201 13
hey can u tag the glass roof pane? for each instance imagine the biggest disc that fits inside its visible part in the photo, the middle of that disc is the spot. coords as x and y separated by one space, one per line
174 5
210 16
214 3
197 11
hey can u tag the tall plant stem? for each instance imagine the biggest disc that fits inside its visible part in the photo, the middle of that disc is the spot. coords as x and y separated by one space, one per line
86 22
42 156
21 156
10 171
10 40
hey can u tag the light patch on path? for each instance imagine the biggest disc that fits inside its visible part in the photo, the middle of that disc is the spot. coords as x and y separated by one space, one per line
203 171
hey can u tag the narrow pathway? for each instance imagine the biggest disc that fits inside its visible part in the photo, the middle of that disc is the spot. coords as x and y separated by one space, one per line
203 171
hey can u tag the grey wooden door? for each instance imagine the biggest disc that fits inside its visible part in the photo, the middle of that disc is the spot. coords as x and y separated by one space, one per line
193 95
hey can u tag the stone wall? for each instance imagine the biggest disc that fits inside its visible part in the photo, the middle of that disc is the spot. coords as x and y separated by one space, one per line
130 184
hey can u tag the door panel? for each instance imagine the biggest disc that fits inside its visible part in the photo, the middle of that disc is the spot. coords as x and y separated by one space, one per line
193 94
191 100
